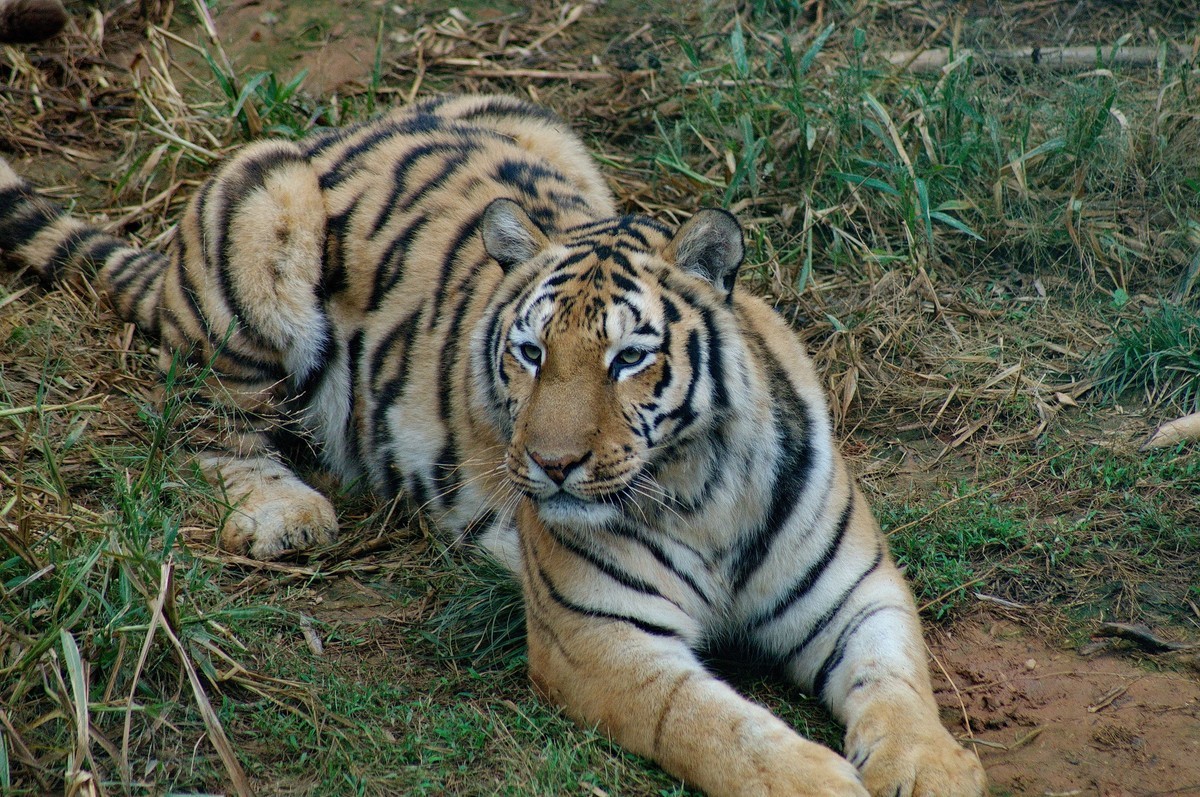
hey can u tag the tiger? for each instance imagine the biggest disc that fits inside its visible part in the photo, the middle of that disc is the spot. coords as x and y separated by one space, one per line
444 303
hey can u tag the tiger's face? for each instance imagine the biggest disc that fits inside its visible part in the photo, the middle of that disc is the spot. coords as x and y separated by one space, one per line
602 358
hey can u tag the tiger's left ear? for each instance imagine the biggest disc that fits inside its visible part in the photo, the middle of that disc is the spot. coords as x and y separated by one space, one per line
710 246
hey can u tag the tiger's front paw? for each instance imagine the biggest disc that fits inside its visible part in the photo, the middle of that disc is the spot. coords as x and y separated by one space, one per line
811 771
933 765
290 517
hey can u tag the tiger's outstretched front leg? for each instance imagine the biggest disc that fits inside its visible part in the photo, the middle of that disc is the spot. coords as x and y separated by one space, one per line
631 673
239 301
870 668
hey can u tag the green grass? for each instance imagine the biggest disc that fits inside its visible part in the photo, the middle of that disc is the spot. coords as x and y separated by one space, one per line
1080 530
928 234
1156 356
950 541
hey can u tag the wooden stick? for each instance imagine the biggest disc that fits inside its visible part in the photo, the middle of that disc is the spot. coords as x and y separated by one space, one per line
1057 58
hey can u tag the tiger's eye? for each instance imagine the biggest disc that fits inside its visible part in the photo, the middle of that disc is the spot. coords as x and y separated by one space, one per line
631 356
531 353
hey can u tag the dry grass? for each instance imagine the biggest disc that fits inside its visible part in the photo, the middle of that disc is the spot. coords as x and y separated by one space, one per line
959 363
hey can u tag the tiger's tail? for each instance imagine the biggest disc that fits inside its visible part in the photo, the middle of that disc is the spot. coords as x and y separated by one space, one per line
39 235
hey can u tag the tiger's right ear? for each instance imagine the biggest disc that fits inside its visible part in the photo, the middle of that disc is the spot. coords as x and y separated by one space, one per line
509 235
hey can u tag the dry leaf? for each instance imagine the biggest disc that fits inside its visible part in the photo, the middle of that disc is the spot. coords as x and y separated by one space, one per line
1064 399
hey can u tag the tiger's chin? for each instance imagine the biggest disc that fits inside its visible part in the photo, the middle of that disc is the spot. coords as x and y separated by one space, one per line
579 514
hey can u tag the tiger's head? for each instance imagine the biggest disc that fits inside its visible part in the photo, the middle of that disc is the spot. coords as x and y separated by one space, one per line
604 351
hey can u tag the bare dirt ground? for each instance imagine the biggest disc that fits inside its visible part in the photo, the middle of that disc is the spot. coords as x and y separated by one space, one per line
1049 721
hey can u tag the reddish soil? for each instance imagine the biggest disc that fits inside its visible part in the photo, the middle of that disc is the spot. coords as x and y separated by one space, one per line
1051 722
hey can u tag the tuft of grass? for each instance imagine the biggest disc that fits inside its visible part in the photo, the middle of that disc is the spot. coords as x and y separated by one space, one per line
482 619
263 105
1158 355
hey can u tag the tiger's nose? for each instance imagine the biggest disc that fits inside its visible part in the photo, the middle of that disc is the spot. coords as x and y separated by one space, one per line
557 469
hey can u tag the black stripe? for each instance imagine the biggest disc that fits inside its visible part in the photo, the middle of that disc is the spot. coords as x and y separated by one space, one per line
392 264
354 351
607 568
660 554
670 311
626 284
805 583
685 414
478 526
508 107
794 433
306 386
459 150
642 625
236 187
222 344
716 366
23 214
418 490
633 223
825 619
388 392
100 251
402 332
318 140
527 177
133 269
492 340
66 250
149 274
347 161
333 272
835 657
465 233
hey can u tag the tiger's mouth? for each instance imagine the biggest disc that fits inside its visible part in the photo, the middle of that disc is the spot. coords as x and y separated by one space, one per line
564 508
577 492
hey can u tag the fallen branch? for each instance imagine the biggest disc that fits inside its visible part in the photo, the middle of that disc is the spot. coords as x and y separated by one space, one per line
540 74
1059 58
1143 637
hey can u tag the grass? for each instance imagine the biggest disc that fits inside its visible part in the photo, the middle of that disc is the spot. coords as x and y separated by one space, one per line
1157 355
975 258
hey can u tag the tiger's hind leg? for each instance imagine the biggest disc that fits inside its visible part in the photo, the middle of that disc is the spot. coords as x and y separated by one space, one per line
240 303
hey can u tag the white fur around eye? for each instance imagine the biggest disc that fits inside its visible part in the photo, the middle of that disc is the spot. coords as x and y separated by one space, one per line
623 371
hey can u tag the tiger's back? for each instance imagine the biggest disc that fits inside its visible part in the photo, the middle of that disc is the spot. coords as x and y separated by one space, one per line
444 303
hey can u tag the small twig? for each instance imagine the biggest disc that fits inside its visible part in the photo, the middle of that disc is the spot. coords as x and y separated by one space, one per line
1000 601
1021 741
1109 697
935 59
541 74
961 705
216 733
77 405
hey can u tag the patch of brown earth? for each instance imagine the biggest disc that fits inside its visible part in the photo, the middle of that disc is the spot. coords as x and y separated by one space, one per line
333 42
1050 722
